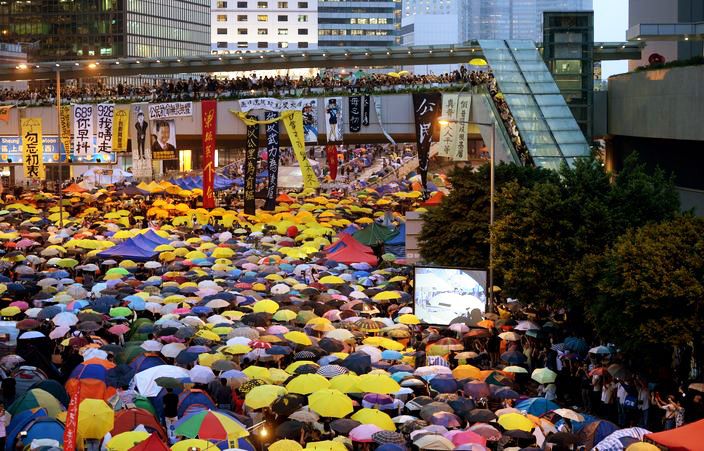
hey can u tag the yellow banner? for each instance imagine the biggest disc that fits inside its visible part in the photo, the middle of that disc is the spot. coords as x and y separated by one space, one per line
5 112
249 121
120 128
65 125
293 120
32 148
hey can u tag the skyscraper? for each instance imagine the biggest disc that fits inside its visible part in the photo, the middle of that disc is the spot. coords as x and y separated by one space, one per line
358 23
87 29
426 22
268 24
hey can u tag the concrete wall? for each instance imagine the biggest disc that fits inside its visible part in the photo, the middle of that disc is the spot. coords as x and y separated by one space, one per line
665 104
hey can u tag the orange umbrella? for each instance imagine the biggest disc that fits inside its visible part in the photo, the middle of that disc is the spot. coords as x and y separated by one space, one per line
487 324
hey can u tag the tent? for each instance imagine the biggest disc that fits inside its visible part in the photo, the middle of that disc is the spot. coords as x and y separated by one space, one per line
346 240
375 233
194 400
25 377
74 189
683 438
128 419
146 361
348 255
129 249
434 200
131 191
283 197
400 238
191 183
153 443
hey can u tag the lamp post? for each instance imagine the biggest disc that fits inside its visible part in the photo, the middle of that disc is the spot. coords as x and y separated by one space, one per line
492 163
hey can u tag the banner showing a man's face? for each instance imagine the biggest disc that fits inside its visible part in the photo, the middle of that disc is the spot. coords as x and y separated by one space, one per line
163 132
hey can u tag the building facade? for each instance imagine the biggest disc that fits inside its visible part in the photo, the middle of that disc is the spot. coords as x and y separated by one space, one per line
242 25
359 23
431 23
51 30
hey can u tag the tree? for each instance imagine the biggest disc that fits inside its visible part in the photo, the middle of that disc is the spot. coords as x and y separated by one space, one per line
650 287
551 226
456 233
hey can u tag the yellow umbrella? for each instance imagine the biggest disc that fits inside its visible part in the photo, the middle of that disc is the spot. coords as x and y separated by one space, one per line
265 306
513 421
263 395
208 335
387 296
477 62
377 383
285 445
331 280
345 383
376 417
236 349
194 444
408 318
307 383
292 367
9 311
327 445
298 338
257 372
126 440
330 403
95 418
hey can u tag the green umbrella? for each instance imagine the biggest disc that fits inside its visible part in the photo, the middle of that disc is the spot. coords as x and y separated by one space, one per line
168 382
374 233
388 257
120 311
67 263
121 271
544 376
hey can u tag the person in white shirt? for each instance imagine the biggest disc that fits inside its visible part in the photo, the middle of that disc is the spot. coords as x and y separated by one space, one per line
4 421
643 403
548 391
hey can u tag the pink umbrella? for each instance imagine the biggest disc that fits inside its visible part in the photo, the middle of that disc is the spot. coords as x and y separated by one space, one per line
171 339
181 310
332 315
25 242
59 332
119 329
463 437
472 447
363 432
20 305
277 330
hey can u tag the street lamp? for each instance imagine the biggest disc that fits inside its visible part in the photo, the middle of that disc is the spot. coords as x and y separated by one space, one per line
442 120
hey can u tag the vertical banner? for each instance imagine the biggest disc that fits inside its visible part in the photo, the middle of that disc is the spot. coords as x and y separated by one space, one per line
377 108
334 123
106 111
425 107
208 119
310 120
32 148
121 128
71 428
5 112
365 110
355 113
448 132
164 140
293 121
463 106
141 143
272 150
65 131
250 168
331 154
83 131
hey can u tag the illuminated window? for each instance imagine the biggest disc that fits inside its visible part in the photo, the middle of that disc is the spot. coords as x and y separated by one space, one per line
222 18
184 160
263 18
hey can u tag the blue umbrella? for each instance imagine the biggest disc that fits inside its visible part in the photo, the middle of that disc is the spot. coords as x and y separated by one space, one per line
536 406
391 355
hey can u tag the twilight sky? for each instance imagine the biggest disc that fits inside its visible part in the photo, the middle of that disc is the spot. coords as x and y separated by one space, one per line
610 24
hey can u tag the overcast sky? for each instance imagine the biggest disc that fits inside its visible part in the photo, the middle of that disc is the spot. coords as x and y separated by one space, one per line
610 24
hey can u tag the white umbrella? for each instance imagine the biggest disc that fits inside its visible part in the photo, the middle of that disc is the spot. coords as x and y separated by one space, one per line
32 312
280 288
65 319
172 349
151 345
31 334
217 303
93 353
50 281
77 292
152 307
59 332
340 334
527 325
238 341
145 383
152 265
218 319
200 374
193 321
371 351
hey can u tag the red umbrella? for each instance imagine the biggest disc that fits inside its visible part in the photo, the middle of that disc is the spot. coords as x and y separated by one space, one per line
119 329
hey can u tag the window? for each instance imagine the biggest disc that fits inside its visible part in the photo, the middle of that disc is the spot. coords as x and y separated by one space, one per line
222 18
241 31
283 4
283 18
262 31
283 45
222 45
262 4
263 18
303 18
242 18
303 31
302 45
242 45
262 45
241 4
221 4
283 31
303 4
222 30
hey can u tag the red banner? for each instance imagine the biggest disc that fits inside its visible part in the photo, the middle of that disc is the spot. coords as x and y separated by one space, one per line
331 156
209 118
71 429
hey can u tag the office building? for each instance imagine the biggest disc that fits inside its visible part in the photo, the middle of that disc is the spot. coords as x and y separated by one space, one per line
51 30
663 26
263 25
431 23
359 23
515 19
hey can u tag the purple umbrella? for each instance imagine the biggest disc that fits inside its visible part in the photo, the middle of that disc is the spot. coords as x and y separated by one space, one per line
476 389
446 419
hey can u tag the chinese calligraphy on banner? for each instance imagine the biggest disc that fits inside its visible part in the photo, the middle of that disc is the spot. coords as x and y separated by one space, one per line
65 129
250 168
463 106
71 429
121 128
365 111
448 132
32 148
294 128
83 131
171 109
355 113
105 121
209 119
426 107
272 149
164 140
309 107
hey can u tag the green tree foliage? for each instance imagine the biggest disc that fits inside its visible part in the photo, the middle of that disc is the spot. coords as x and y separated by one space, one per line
550 227
456 233
650 286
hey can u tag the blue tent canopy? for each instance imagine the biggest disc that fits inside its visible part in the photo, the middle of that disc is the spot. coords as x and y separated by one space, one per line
154 237
398 239
190 183
129 249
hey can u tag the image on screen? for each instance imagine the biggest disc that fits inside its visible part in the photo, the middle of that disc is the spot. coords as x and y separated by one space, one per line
443 294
